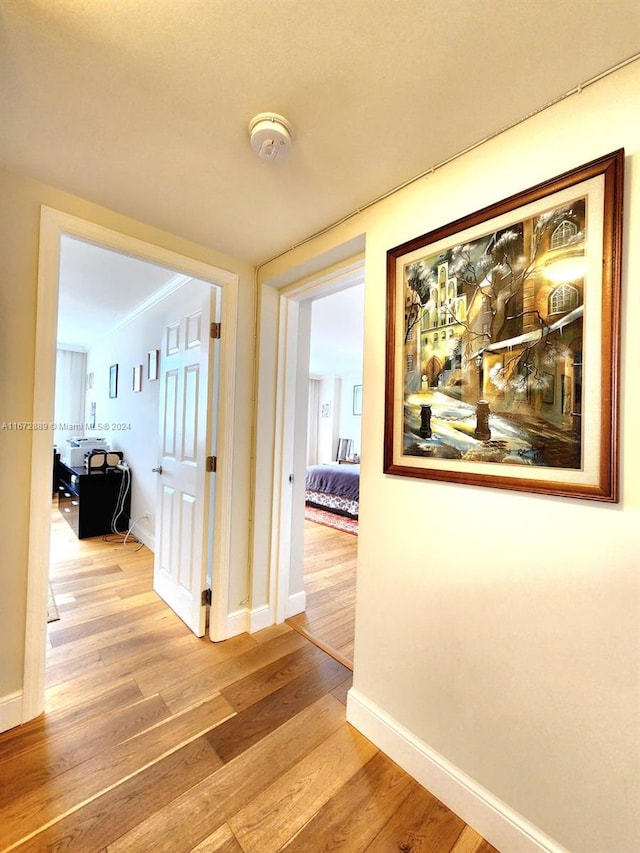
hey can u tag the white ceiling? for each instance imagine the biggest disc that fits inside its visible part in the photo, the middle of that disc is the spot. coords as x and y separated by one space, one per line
143 105
98 288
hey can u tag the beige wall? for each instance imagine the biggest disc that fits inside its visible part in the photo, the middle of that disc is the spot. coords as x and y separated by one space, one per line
20 202
501 629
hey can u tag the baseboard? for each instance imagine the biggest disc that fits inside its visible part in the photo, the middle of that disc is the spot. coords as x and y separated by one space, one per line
245 620
236 623
492 818
10 711
296 603
145 536
248 620
259 618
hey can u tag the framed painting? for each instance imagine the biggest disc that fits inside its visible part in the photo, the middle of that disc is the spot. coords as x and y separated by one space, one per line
357 399
113 380
502 350
153 357
137 378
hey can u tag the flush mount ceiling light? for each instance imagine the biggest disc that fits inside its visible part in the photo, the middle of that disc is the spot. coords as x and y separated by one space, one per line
270 135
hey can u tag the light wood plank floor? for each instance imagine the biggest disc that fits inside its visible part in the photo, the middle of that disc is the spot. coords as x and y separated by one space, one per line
330 584
154 740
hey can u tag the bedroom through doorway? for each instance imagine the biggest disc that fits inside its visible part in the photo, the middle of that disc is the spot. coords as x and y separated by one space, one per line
332 483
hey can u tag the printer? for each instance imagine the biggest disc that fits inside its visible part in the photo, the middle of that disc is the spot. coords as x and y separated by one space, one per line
78 446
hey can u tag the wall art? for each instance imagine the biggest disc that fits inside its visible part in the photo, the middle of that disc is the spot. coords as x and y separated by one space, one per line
503 342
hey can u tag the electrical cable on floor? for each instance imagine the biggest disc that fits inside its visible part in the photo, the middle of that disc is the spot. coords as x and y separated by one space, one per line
123 536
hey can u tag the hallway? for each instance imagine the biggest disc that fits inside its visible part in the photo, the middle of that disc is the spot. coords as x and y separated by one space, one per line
156 740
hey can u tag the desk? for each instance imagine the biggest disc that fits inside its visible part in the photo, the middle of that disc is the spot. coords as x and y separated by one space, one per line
88 501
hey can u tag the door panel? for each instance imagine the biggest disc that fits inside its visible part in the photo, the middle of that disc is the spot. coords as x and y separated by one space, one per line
192 414
185 441
170 414
188 528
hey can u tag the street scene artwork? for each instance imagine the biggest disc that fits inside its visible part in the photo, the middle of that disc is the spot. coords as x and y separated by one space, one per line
494 322
493 345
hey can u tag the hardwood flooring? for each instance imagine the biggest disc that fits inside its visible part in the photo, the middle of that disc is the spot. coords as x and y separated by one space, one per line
330 584
155 740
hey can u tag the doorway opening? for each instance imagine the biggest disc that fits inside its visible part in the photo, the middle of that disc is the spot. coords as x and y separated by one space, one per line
332 474
55 226
294 308
136 380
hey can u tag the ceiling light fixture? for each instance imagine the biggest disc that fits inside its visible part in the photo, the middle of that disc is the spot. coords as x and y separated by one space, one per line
271 136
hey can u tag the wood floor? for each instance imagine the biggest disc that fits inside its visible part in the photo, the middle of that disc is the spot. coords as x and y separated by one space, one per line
154 740
330 587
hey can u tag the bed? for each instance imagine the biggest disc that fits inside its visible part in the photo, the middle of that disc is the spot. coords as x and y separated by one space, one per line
334 487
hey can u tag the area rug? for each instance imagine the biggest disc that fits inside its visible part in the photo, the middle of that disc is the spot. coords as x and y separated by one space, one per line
330 519
52 610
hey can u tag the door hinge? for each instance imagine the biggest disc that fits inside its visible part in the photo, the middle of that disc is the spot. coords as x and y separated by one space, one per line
205 599
216 330
212 464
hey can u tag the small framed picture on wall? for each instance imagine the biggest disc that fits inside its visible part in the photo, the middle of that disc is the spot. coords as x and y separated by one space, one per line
357 399
137 377
153 357
113 381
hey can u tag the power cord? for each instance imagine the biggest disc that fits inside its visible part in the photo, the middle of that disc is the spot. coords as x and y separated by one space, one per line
125 485
123 536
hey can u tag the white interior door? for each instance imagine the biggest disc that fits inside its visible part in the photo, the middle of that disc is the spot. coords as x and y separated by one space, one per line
185 488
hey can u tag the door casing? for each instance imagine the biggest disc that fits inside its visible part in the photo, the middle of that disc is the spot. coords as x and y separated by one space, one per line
285 570
53 225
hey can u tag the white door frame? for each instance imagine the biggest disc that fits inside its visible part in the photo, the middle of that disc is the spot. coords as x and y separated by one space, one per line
291 421
53 225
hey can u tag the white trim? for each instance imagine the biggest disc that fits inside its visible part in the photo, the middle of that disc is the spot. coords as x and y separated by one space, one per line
250 621
296 603
91 232
236 623
333 281
259 618
225 433
285 435
53 224
140 531
11 711
338 278
170 287
71 347
41 467
278 579
491 817
145 537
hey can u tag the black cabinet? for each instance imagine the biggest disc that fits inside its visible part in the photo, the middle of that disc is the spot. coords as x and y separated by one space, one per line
89 501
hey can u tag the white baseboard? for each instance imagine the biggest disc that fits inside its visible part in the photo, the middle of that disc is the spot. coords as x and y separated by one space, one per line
492 818
236 623
248 620
296 603
10 711
259 618
145 537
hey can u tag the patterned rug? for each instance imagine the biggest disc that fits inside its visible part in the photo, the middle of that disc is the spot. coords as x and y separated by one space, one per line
330 519
52 609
